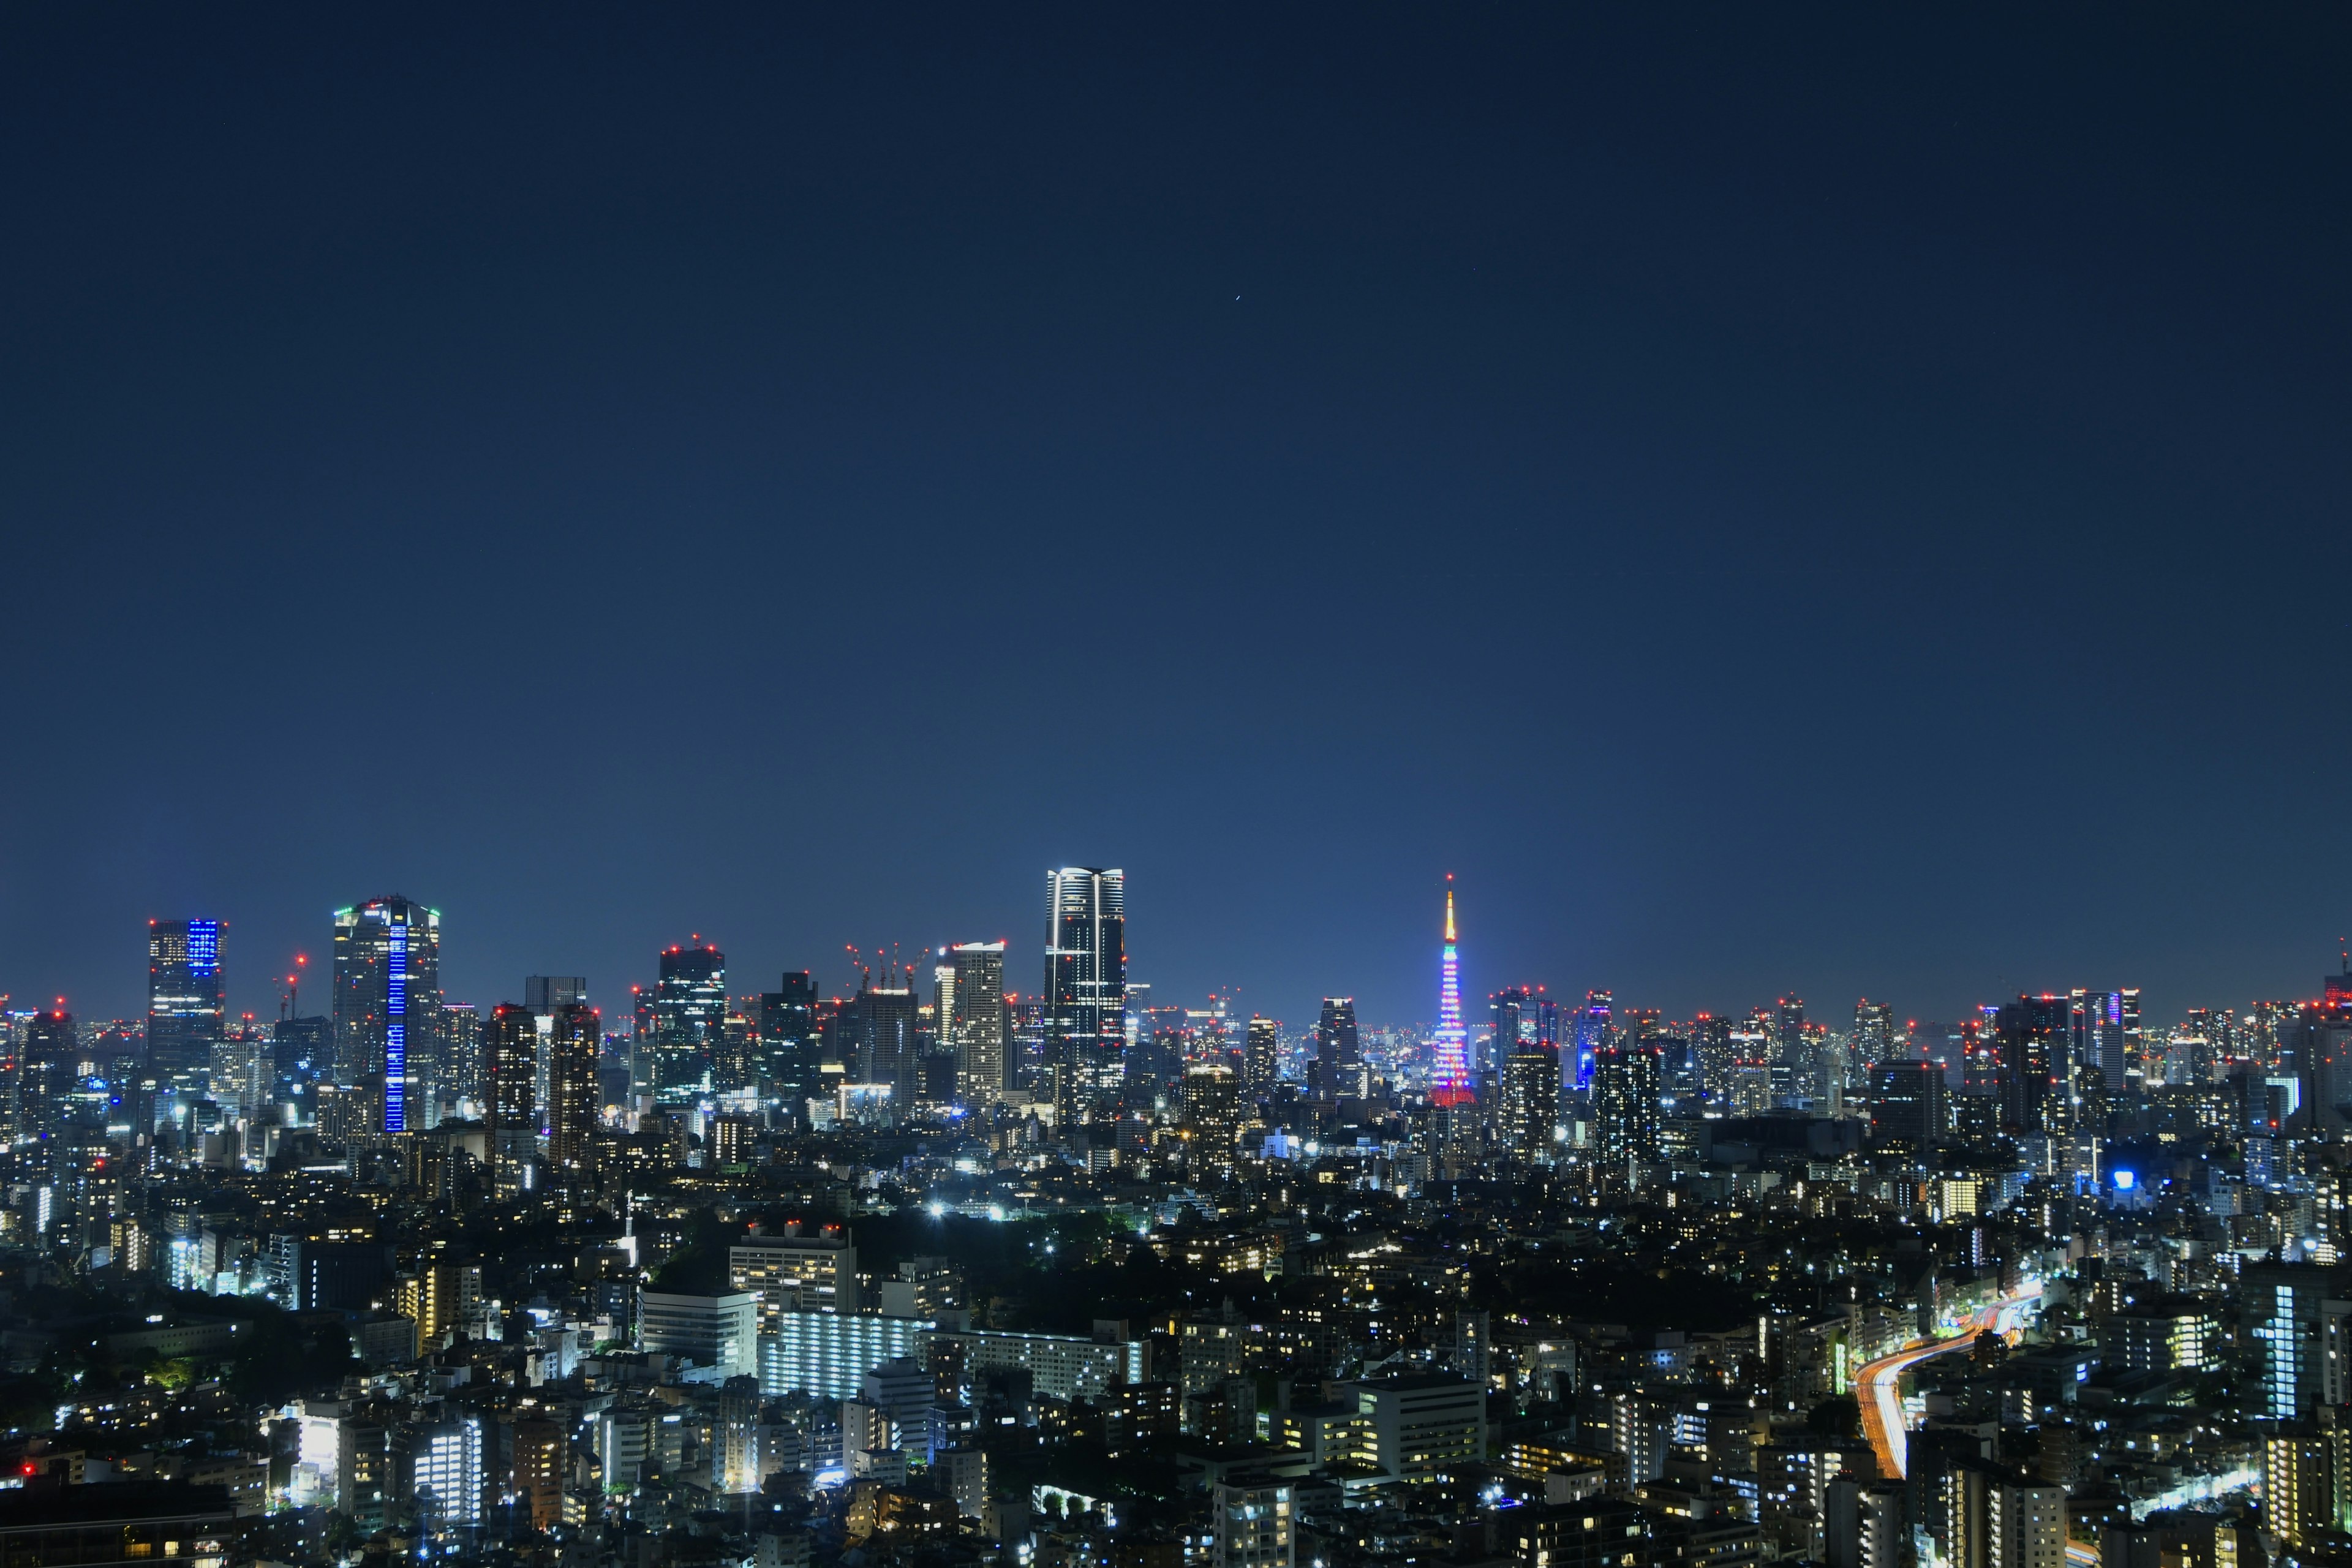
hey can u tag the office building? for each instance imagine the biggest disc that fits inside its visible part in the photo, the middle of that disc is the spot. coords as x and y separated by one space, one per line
1590 1033
972 1006
1906 1103
795 1273
543 994
573 1036
1086 963
460 1052
1626 1114
826 1355
1873 1031
187 1005
878 1034
720 1331
387 984
1422 1428
690 1010
1338 1051
788 1041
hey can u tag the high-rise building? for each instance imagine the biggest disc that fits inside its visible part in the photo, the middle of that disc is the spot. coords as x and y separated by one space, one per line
1213 1117
2035 1077
511 1056
2307 1481
976 1021
1906 1103
187 1006
1086 963
788 1041
1261 1056
445 1477
1449 1068
690 1010
573 1036
460 1028
510 1049
2103 1030
1339 1051
879 1031
387 984
543 994
1591 1032
1788 1028
1873 1031
1530 1093
1625 1110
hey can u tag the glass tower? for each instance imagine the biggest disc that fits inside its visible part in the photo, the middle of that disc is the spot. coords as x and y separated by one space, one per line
689 1012
1085 962
387 998
187 1007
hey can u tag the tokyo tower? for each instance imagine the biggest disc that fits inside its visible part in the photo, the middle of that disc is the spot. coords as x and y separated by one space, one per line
1449 1073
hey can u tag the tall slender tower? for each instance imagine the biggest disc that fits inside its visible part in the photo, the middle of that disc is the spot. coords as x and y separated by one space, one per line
1449 1073
387 978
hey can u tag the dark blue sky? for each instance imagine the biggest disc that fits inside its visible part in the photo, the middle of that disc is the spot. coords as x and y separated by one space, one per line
1843 501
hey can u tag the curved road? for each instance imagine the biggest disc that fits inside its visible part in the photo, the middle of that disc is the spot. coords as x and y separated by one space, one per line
1876 1391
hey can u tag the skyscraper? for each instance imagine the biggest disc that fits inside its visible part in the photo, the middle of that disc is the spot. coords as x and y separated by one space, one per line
1261 1053
2103 1031
1625 1111
976 1021
878 1043
690 1010
1449 1070
1338 1052
1873 1031
187 1008
1085 963
788 1040
574 1038
1509 1008
1591 1033
387 982
512 1058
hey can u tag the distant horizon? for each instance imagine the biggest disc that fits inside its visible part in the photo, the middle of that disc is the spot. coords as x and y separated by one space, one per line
237 973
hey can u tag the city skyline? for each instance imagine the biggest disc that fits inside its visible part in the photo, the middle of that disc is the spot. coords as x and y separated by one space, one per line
1771 505
245 983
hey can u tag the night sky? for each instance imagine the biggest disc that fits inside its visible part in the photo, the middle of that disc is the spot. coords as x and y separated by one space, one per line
1850 503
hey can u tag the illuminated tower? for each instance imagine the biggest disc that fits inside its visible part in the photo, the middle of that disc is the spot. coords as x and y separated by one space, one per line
1449 1073
387 977
187 1013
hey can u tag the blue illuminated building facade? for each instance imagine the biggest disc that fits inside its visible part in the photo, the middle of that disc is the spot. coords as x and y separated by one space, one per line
1591 1033
387 996
187 1007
